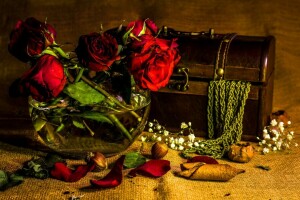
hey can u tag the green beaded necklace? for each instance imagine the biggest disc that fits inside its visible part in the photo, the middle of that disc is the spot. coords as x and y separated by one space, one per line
226 102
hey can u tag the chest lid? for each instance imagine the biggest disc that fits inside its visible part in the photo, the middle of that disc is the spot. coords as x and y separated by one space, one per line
249 58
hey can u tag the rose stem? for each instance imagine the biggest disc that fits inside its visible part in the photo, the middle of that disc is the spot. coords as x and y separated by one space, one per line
120 126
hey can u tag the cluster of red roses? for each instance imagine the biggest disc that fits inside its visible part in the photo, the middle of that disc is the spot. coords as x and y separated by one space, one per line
148 58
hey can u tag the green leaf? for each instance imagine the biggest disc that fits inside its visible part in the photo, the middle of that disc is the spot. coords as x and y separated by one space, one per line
126 35
94 116
3 179
39 123
133 160
78 124
79 90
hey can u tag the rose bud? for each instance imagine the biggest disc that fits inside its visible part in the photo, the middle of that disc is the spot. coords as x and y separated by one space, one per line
97 51
45 80
140 27
98 159
159 150
30 38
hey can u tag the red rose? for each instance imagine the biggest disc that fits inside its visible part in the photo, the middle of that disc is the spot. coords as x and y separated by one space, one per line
45 80
152 66
141 27
97 51
30 38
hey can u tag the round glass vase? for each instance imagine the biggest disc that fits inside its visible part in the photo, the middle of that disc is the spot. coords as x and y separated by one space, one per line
93 128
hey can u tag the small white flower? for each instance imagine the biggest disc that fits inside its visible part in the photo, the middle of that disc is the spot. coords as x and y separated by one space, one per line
166 133
289 122
150 130
289 137
263 141
196 144
190 144
292 132
190 124
202 145
269 145
275 131
172 145
281 124
266 136
150 124
183 125
158 127
278 145
274 122
274 139
191 137
171 139
154 137
281 128
176 140
260 143
296 144
181 140
265 131
274 149
158 138
180 147
143 138
266 150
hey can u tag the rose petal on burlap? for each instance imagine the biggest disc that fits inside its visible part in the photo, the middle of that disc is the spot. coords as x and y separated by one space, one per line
113 178
152 168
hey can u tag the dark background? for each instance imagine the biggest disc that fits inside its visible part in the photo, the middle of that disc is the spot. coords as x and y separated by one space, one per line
72 18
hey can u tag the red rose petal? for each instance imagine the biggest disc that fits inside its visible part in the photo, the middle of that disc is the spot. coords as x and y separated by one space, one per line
113 178
205 159
152 168
62 172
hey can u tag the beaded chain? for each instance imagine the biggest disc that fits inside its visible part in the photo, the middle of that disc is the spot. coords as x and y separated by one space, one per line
226 102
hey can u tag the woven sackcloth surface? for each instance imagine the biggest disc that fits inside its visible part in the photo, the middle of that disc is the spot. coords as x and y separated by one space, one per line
74 18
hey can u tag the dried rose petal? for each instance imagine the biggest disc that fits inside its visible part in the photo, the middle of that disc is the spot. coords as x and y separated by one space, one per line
205 159
62 172
113 178
152 168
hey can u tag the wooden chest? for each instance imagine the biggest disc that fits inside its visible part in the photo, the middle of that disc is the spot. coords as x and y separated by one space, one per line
249 58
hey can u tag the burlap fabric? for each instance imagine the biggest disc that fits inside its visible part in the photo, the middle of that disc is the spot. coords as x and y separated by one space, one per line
74 18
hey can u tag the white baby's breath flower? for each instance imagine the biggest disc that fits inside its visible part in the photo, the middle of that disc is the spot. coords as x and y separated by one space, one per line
202 145
190 124
292 132
265 131
269 145
296 144
274 131
191 137
143 138
158 139
281 128
266 150
150 130
180 147
180 140
172 145
280 124
274 149
289 137
266 136
150 124
274 122
263 141
274 139
158 127
260 144
190 144
289 122
196 144
166 133
183 125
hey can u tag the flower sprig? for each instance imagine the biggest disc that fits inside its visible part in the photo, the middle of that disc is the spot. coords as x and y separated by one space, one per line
277 137
181 140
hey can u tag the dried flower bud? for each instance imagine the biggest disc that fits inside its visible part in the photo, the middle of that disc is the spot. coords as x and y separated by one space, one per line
99 159
159 150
